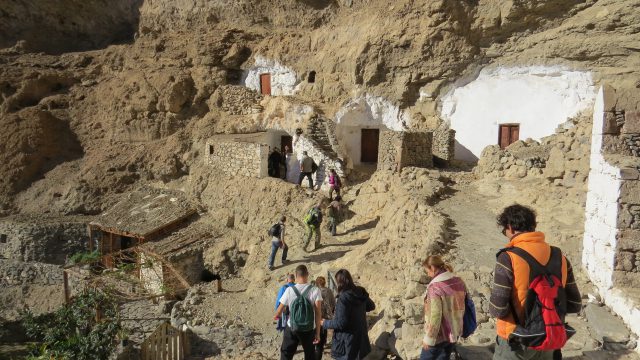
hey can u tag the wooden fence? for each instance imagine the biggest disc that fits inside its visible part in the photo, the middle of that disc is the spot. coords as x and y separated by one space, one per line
166 343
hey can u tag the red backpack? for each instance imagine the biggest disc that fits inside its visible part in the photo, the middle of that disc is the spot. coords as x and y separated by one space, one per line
543 327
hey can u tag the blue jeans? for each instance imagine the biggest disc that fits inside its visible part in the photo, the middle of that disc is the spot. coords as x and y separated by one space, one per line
275 245
440 351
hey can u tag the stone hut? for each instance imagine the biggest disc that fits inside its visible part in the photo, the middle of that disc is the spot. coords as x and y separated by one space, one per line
149 229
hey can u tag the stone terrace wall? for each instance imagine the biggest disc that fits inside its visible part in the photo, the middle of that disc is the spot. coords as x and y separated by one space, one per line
237 100
18 273
611 253
43 240
238 158
404 148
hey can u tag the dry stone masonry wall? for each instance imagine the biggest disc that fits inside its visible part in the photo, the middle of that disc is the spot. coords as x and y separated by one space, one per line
49 241
237 100
404 149
238 158
443 148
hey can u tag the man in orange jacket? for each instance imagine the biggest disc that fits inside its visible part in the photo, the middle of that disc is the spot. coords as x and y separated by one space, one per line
511 282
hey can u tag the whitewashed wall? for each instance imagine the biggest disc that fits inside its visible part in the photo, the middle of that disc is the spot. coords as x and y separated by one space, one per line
538 98
283 79
366 112
601 211
601 214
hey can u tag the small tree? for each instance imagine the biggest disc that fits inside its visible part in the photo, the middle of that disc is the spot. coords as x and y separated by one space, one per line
85 329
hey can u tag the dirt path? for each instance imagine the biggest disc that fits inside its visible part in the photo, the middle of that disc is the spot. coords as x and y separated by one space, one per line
476 236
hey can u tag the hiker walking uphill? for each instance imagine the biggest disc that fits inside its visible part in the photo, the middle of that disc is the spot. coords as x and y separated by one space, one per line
444 307
533 289
312 221
334 213
282 322
304 302
277 241
335 184
328 309
307 168
350 338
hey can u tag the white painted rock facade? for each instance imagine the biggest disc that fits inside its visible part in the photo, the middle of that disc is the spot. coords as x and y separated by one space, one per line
537 98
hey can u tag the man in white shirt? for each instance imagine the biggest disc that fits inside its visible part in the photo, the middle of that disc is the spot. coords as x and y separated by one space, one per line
291 339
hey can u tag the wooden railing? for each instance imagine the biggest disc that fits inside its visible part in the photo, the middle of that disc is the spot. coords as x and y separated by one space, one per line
166 343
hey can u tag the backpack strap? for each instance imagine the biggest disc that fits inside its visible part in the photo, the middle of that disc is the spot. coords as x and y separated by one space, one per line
553 267
304 293
295 290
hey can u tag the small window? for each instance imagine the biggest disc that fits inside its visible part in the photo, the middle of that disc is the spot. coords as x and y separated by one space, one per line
3 238
210 149
312 77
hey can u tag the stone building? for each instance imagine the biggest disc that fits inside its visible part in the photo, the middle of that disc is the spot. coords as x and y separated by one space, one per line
611 252
151 231
404 149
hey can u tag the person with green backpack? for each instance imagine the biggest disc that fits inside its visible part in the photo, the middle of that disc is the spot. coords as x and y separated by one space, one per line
312 221
305 312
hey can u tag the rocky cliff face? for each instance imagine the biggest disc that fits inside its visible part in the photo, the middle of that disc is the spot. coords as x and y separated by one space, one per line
137 112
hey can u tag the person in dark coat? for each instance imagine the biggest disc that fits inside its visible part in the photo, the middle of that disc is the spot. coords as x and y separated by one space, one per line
350 335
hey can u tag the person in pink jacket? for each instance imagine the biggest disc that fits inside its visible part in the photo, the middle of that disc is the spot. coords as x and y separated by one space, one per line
334 183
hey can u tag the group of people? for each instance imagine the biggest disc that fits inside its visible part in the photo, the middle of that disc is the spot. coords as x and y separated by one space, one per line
278 161
305 312
534 288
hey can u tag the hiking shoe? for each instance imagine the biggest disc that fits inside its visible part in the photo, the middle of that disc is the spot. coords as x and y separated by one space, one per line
270 268
284 262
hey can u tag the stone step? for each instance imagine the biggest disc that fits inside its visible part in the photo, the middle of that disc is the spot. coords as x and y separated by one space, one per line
607 328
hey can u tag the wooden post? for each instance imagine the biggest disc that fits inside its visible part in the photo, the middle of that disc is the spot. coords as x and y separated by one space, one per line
90 238
65 277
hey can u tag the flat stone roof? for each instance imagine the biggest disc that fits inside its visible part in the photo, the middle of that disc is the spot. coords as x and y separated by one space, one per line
145 211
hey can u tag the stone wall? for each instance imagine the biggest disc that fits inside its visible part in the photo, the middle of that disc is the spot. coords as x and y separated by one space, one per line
18 273
237 100
238 158
405 149
443 148
45 240
611 251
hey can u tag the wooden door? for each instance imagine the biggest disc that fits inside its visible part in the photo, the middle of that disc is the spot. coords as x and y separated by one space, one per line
265 84
369 145
508 134
286 140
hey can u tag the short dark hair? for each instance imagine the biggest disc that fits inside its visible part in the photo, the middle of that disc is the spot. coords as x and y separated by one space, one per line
344 281
291 277
520 218
301 270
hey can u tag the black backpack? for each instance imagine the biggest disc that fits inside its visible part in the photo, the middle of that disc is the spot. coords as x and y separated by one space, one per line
314 167
275 230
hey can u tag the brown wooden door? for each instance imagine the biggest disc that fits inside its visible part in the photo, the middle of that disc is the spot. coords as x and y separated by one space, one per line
286 140
369 145
265 84
508 134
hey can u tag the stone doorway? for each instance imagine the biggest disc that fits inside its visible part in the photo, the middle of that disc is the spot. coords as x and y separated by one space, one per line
369 142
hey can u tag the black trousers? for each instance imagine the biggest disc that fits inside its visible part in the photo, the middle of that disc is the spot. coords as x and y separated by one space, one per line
290 341
308 176
320 346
